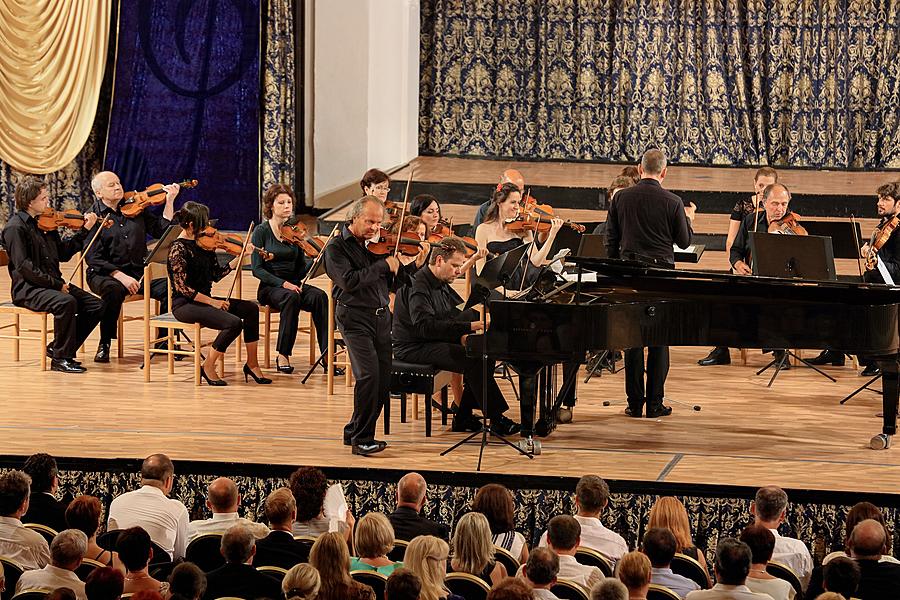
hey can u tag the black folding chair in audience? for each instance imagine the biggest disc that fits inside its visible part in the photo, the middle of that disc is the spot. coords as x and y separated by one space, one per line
274 572
398 551
782 571
661 592
11 572
505 558
568 590
377 581
686 566
86 568
204 551
48 533
589 556
468 586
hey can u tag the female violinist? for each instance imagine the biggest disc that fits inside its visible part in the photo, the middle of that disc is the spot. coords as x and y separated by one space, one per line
375 183
427 207
279 278
193 271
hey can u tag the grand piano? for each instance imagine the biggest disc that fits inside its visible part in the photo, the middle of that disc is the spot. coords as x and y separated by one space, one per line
629 304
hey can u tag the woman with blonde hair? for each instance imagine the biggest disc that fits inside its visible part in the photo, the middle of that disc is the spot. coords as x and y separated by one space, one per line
331 558
373 539
473 549
668 512
426 556
301 582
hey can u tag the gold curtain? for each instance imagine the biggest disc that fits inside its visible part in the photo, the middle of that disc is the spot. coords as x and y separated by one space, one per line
51 68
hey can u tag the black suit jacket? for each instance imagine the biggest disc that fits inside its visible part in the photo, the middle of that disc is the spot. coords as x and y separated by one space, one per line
46 510
878 581
407 524
280 549
241 581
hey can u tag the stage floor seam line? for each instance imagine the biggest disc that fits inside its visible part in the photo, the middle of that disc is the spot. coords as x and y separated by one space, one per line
669 466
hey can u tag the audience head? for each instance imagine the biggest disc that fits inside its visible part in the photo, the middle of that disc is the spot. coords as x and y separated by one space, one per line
841 575
308 484
15 486
193 217
188 581
763 178
542 567
867 540
104 583
761 542
43 472
223 496
653 164
633 569
564 534
84 514
373 536
660 547
301 582
609 588
30 189
426 556
62 593
331 558
670 513
733 560
281 508
495 502
157 469
68 548
511 588
411 491
591 495
769 506
238 544
860 512
133 546
403 584
473 547
375 183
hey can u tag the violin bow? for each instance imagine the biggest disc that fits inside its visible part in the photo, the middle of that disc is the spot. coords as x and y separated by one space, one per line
88 249
403 211
856 241
315 264
533 245
237 271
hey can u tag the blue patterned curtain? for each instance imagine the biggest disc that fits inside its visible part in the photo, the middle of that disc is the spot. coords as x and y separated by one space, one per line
787 82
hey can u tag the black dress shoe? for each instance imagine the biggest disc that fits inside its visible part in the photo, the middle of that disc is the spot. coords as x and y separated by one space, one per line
505 426
463 423
338 371
213 382
717 356
660 410
102 355
72 360
634 409
836 359
870 371
367 448
248 372
286 369
66 365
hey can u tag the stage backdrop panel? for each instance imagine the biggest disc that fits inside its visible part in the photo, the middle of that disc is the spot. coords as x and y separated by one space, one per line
186 102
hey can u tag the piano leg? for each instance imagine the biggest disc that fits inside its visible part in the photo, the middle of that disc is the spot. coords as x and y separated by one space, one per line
890 378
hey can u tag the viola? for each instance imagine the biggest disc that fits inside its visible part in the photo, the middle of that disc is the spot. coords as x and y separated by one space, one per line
298 235
134 203
212 239
880 237
409 244
789 224
51 220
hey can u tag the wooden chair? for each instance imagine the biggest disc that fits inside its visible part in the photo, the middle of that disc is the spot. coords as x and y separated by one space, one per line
11 572
589 556
86 568
204 552
120 335
568 590
48 533
468 586
684 565
267 325
272 571
782 571
661 592
398 551
505 558
21 333
377 581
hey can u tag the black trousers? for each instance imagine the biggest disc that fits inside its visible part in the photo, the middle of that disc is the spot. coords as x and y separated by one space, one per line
452 357
657 371
289 304
113 294
242 315
367 334
74 316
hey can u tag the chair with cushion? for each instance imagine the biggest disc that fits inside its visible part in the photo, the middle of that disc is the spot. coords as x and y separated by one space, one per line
782 571
273 571
48 533
86 568
11 571
161 571
414 378
569 590
398 551
377 581
661 592
686 566
468 586
204 551
505 558
38 594
589 556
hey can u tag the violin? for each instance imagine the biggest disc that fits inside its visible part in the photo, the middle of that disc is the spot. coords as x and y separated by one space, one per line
392 211
51 220
536 217
409 244
470 243
298 235
134 203
212 239
789 224
443 228
880 237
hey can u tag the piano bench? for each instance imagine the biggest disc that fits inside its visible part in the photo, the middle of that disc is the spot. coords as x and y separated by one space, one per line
415 378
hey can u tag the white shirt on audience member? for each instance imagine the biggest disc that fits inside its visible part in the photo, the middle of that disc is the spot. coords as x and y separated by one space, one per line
165 519
597 537
720 591
779 589
50 578
793 553
23 546
584 575
220 522
542 594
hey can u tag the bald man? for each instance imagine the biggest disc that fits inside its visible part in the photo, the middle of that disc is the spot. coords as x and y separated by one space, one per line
406 520
223 500
878 579
509 176
115 263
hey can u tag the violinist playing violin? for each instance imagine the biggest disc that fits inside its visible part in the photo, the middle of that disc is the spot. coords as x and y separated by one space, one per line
115 263
193 270
508 176
37 282
427 208
775 200
888 251
280 278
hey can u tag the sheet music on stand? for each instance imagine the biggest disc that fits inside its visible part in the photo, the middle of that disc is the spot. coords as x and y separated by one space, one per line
885 275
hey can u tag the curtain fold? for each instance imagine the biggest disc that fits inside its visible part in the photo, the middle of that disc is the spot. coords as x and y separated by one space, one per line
278 154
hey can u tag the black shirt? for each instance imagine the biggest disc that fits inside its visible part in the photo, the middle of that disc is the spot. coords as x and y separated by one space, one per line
34 255
409 524
361 279
123 246
193 270
889 254
426 311
740 248
878 581
289 262
645 221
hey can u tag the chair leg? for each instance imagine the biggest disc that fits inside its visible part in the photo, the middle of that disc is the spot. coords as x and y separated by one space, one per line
43 343
17 329
197 366
387 416
146 349
120 333
428 413
171 346
267 336
444 402
312 341
415 407
403 406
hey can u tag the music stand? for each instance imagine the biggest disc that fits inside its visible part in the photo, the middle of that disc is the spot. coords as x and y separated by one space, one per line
592 245
807 257
318 270
159 254
841 233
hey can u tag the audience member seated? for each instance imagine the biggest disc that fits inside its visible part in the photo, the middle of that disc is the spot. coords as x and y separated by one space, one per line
540 572
403 584
762 544
495 502
43 507
85 513
187 581
237 578
670 513
66 551
878 580
373 539
473 550
406 520
770 508
659 546
279 548
301 583
591 497
331 558
634 571
164 519
563 536
223 500
511 588
135 553
842 575
733 560
858 513
104 583
309 485
426 556
62 593
21 545
609 588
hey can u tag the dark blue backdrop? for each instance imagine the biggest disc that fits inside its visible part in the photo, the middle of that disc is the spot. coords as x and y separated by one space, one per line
186 102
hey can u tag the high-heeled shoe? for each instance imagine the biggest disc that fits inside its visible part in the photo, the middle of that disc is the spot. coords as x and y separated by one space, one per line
248 373
286 369
213 382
